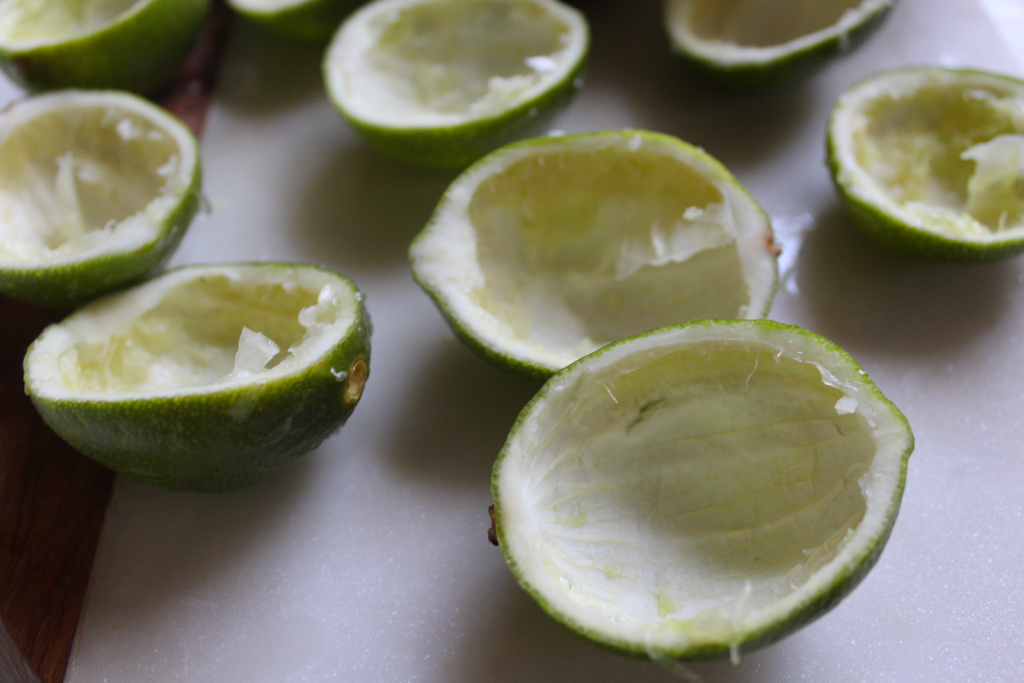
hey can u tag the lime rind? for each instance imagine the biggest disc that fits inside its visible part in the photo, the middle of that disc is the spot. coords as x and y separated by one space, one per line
139 51
456 147
882 218
306 20
827 586
759 67
437 270
453 141
221 436
69 278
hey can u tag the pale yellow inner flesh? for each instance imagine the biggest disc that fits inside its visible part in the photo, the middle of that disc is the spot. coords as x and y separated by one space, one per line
461 57
764 23
951 156
28 21
686 491
196 336
71 173
579 248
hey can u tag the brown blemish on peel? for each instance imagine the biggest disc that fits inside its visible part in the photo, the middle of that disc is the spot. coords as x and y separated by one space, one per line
773 247
357 373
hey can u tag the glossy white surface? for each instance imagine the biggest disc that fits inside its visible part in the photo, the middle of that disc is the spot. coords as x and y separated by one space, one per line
368 562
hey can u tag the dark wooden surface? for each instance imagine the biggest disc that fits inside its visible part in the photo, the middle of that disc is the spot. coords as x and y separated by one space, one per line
51 508
52 500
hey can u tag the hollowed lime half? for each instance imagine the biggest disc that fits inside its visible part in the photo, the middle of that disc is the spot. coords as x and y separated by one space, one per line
762 42
312 20
930 162
96 191
132 45
443 82
207 378
700 490
549 249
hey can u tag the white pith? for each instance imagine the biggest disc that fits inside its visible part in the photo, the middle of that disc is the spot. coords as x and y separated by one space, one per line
195 330
87 173
25 24
698 485
267 6
549 251
440 63
940 150
752 31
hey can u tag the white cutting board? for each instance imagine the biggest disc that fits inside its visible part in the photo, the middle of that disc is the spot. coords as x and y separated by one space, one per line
368 561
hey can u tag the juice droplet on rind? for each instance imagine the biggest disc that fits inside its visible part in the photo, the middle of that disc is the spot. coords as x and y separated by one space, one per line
357 374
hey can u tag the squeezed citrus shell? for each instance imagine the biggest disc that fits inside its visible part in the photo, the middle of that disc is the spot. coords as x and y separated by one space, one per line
550 248
701 490
143 381
930 161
